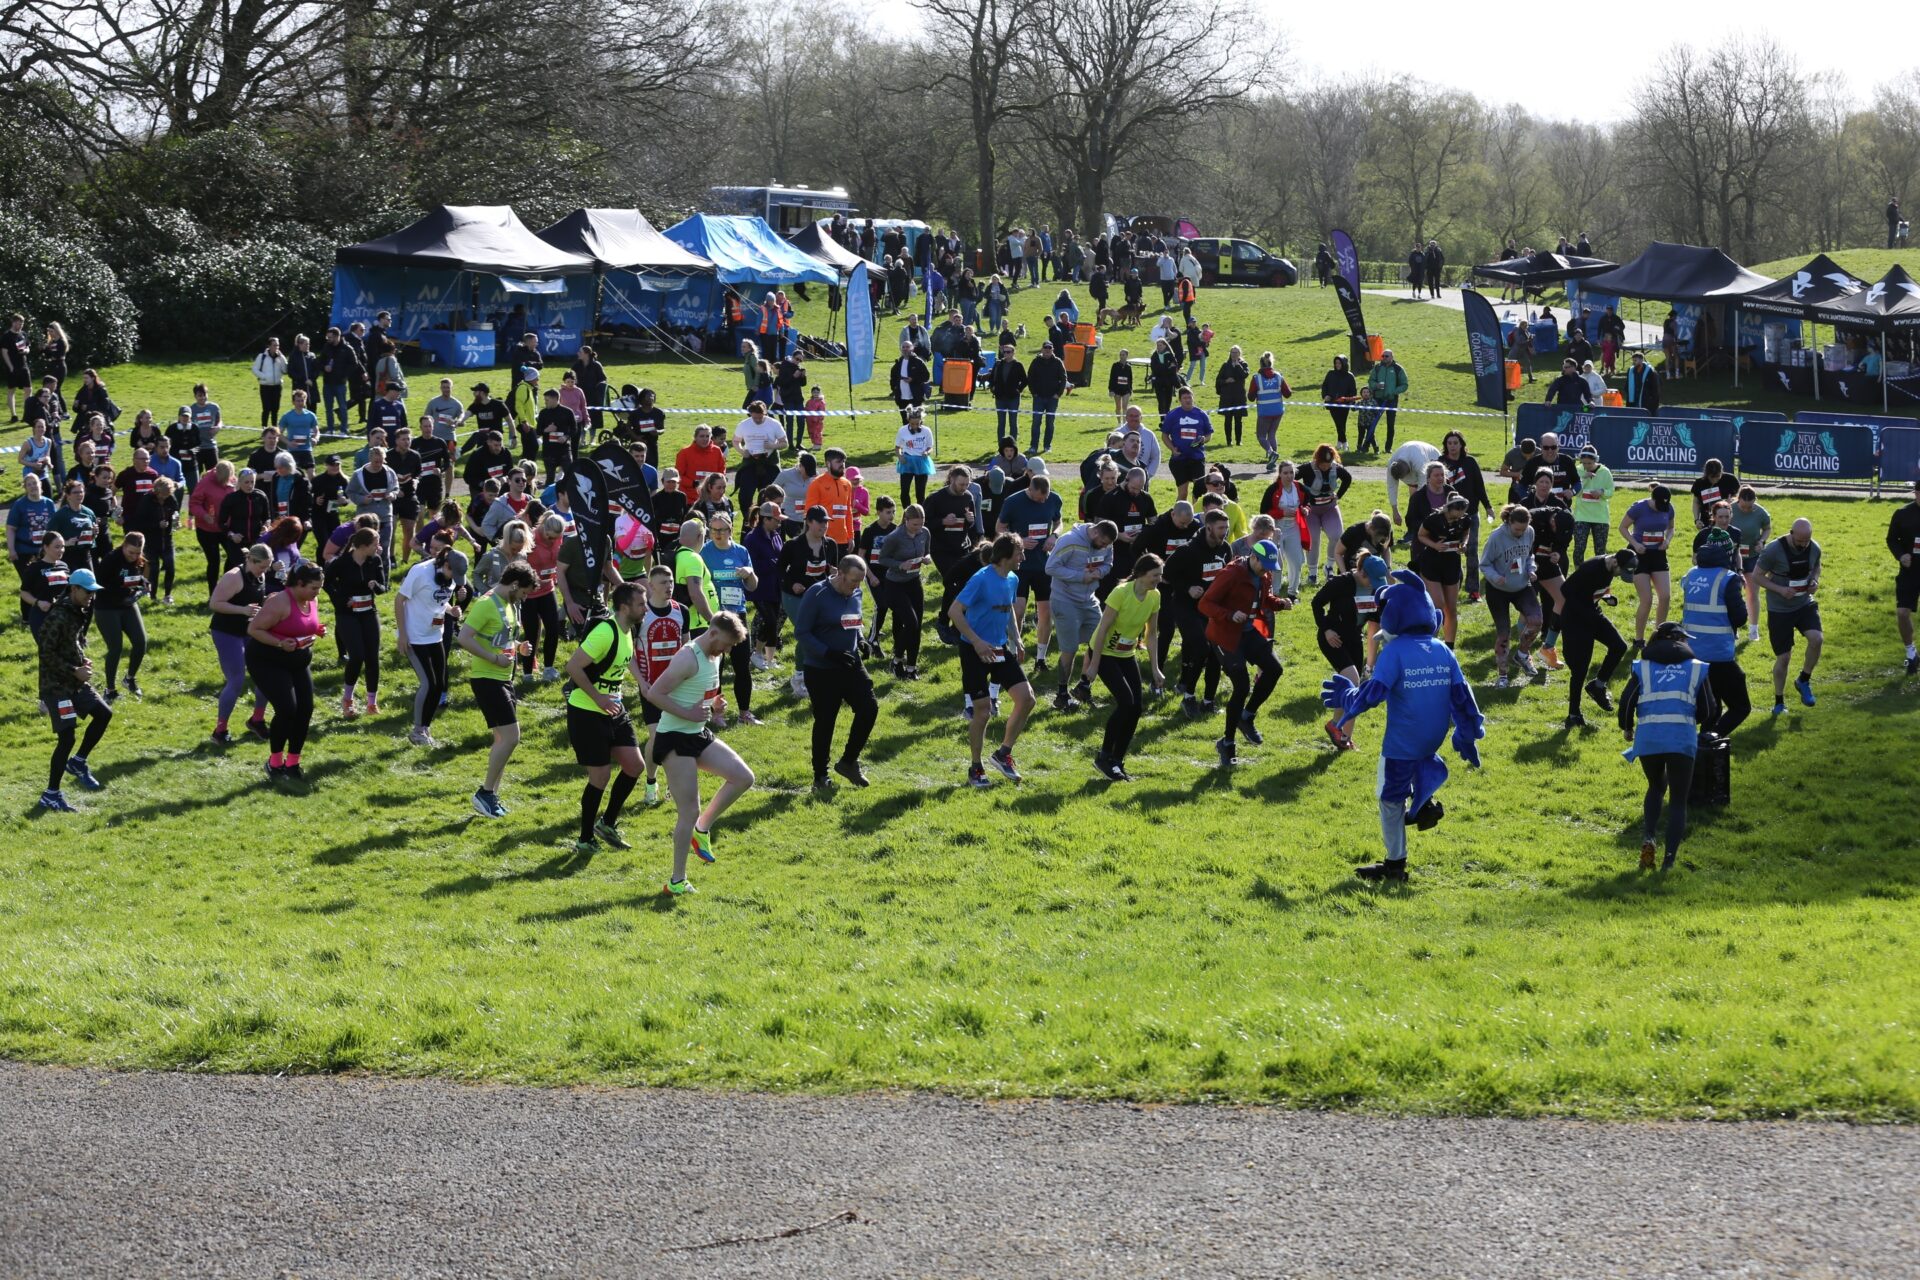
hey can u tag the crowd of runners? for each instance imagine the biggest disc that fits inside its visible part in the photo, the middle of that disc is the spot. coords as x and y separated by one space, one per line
436 536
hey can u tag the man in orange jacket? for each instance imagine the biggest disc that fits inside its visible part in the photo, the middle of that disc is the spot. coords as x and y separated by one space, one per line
1239 606
832 490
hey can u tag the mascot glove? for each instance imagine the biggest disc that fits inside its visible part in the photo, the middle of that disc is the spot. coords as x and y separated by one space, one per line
1465 746
1333 692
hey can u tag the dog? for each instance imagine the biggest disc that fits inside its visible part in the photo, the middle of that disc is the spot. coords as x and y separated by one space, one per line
1123 317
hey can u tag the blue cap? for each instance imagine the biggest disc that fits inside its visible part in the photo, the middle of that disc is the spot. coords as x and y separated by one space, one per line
1266 554
529 374
83 579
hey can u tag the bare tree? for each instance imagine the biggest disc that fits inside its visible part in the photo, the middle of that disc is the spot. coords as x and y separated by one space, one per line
1580 159
992 30
1328 123
1517 181
899 144
785 90
1420 141
1894 131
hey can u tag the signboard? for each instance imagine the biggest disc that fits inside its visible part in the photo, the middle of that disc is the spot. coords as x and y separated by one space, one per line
1808 451
1573 426
419 300
1899 456
1660 446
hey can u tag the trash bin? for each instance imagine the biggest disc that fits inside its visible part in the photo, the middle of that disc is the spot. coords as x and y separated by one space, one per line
1513 376
1376 346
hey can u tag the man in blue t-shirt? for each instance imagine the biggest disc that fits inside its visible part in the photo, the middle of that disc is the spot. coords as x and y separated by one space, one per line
1186 431
298 430
990 655
1032 515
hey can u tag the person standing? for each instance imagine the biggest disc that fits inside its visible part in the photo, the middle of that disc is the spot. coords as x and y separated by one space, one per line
491 633
352 580
558 428
1416 270
280 639
1592 504
1385 385
598 726
1338 390
1667 694
66 690
900 558
1239 606
1186 430
1713 610
913 458
1893 221
909 378
1269 392
372 489
1047 380
1007 380
341 370
421 608
1436 264
1789 572
982 614
1643 383
687 695
1648 528
828 626
16 355
270 371
1903 540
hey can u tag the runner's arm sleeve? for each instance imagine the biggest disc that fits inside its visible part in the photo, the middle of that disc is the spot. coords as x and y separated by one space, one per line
1630 703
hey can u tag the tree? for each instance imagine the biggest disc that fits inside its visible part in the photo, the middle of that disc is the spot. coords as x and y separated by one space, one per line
1328 124
1419 143
1516 179
899 143
992 30
1581 161
1894 131
785 90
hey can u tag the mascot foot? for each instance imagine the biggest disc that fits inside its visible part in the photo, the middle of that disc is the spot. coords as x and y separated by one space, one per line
1428 818
1394 870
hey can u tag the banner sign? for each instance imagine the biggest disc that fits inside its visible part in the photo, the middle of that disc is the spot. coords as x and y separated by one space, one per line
1821 417
859 327
690 306
1899 456
1573 426
1346 286
610 484
1485 351
1586 307
419 300
1660 446
1813 451
559 317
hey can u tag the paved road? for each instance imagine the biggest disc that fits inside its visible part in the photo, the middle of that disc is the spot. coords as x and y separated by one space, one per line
1638 335
116 1175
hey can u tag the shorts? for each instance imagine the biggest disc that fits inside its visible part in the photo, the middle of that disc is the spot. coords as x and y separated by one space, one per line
1351 653
496 701
302 459
976 675
1906 590
595 735
1545 570
1040 585
1783 626
1186 470
1652 560
689 745
1441 568
79 705
1074 624
649 714
406 508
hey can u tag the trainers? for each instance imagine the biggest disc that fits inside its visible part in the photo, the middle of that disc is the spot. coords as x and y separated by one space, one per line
77 767
1101 763
977 777
678 888
1429 815
1753 631
220 738
851 771
1913 666
275 772
1313 577
1804 686
703 845
1083 690
1500 681
1597 690
346 707
133 687
373 706
1551 656
1223 747
1117 773
585 848
610 835
1779 708
1249 732
1646 855
56 801
1192 706
112 695
1576 721
1394 870
258 728
748 718
488 805
651 795
758 662
549 674
798 684
1525 662
1666 863
1063 701
1002 760
1334 735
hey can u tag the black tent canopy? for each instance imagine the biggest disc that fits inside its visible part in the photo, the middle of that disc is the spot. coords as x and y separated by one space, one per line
1679 273
813 241
1821 282
622 240
1891 302
1537 270
487 238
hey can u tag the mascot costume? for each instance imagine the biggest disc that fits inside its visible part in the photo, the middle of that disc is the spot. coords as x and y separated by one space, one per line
1419 679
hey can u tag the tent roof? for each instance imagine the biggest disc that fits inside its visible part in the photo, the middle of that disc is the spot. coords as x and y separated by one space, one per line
1678 273
488 238
1821 282
1891 302
621 240
1543 268
746 251
814 241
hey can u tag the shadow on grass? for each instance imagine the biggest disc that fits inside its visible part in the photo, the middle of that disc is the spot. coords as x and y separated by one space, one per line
656 901
559 867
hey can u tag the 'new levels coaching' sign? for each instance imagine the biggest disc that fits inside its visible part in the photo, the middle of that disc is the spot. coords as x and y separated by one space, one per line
1661 446
1817 452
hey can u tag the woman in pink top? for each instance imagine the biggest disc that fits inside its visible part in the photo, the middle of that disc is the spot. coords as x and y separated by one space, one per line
280 659
203 506
575 399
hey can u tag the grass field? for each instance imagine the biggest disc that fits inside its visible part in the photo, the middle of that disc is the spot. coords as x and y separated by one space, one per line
1195 935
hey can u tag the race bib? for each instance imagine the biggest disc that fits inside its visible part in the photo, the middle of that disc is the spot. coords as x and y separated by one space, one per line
850 622
360 604
282 508
1123 645
429 468
732 598
1365 603
910 566
1654 539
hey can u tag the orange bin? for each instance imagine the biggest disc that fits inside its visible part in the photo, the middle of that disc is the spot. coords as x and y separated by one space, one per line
1513 375
1614 400
956 378
1376 346
1085 335
1076 357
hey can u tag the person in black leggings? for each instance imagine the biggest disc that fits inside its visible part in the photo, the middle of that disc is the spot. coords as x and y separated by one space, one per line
353 579
282 669
540 613
1665 680
1582 625
122 574
1111 653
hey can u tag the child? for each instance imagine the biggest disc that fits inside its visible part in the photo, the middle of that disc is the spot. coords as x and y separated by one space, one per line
1607 353
817 418
862 500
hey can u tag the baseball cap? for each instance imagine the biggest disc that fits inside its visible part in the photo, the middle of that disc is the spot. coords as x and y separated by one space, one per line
83 579
481 386
817 513
1266 554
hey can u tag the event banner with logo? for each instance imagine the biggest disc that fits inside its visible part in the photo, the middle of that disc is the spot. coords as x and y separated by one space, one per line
1899 456
1660 446
1573 426
859 327
605 485
1346 286
1485 350
1807 451
418 299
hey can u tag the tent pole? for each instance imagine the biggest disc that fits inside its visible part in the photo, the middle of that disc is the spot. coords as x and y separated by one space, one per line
1813 334
1736 346
1883 371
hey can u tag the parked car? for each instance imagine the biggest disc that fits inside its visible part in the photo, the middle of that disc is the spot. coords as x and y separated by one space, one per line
1229 261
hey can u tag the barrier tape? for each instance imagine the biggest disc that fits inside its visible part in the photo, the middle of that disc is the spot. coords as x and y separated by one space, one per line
1028 408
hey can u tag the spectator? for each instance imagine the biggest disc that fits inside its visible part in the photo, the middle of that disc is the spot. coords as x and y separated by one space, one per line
1385 385
1643 385
1569 390
1338 390
270 371
1436 265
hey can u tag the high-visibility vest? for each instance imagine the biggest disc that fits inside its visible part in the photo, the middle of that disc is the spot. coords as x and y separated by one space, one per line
1665 723
1704 614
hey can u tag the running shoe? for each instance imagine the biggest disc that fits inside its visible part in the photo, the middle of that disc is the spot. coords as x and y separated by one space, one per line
133 687
1339 739
1002 760
56 801
1646 855
1779 708
703 845
549 674
1249 731
1192 706
610 834
651 795
488 805
373 708
1384 870
1313 576
1666 863
1551 656
1576 721
1913 666
977 777
77 767
1806 691
291 773
1500 681
258 728
1223 747
1117 773
1102 765
346 707
1597 690
747 717
798 684
679 888
1753 631
913 671
758 662
1083 690
1063 701
421 738
112 695
1473 597
585 848
220 738
275 772
1526 664
167 599
851 771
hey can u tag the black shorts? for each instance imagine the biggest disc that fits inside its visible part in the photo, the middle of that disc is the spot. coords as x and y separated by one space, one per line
406 508
496 701
1652 560
302 459
1186 470
67 710
1906 589
1782 627
1441 567
649 714
1040 585
1351 653
595 735
689 745
976 675
1545 570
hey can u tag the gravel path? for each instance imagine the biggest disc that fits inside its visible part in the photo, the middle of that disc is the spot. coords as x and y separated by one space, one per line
115 1175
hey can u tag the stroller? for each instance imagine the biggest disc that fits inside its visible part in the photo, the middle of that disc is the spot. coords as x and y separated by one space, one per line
1364 440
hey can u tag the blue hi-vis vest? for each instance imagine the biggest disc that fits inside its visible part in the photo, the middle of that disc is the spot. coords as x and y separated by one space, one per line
1704 614
1665 723
1266 395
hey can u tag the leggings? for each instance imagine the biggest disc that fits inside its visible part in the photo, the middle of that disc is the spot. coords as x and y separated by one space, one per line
1266 432
1729 684
1235 423
1288 538
1121 676
287 681
118 626
160 562
1257 651
740 661
1339 417
359 636
907 602
1582 630
913 488
1197 658
63 743
540 617
430 665
1672 774
214 547
269 404
232 652
1323 526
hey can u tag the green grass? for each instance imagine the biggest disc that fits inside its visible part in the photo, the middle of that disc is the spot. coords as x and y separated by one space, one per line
1195 935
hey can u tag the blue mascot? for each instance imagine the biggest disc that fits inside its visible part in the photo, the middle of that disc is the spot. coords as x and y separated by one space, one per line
1419 679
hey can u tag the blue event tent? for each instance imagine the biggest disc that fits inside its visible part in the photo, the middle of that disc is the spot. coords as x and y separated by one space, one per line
745 250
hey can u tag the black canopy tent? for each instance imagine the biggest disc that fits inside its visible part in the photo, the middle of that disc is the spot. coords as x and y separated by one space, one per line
1799 295
1891 302
1536 271
1688 273
486 238
624 241
814 241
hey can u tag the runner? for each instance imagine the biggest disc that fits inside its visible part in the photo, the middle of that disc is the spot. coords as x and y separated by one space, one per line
954 529
1407 465
122 579
419 614
690 748
1553 529
77 526
352 579
828 628
1186 431
43 580
1789 571
901 558
1592 504
661 633
280 639
990 654
597 723
730 577
65 691
1713 611
27 521
540 611
1285 505
1903 540
1648 528
1439 541
1507 570
1666 695
1080 560
1239 606
236 599
692 585
372 489
408 464
1753 529
1581 595
491 633
1127 625
1032 515
764 544
1336 624
1190 571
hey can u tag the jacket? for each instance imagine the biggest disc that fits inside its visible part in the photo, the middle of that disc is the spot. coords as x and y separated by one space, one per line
1338 386
1387 381
1231 384
1506 562
1007 379
245 514
63 646
1047 377
1239 588
1643 392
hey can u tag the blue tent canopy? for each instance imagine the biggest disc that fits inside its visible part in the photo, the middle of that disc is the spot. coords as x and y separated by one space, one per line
746 251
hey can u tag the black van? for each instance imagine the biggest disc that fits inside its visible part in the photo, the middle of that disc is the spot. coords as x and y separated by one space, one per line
1240 262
